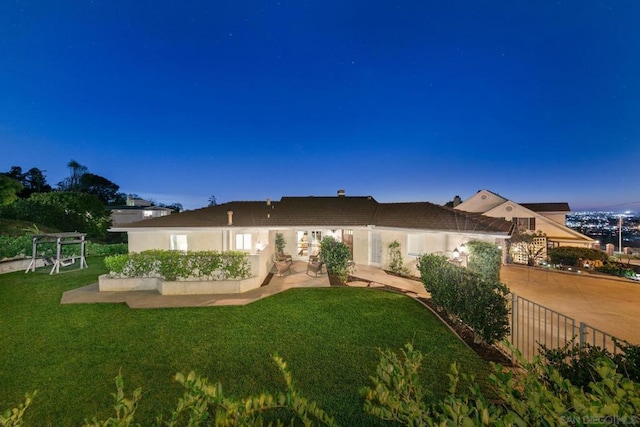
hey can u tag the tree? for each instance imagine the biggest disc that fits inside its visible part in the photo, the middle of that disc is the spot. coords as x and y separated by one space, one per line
99 186
63 210
33 181
528 245
9 189
72 182
176 207
213 201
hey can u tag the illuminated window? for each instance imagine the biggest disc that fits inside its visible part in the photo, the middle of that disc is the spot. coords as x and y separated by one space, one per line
243 241
147 214
179 242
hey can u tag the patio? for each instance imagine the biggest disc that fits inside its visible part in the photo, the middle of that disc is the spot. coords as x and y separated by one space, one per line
369 277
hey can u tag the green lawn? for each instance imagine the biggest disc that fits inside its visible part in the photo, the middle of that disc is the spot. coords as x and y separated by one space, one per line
328 336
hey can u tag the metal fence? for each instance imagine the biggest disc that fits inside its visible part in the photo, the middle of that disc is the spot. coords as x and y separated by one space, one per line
533 325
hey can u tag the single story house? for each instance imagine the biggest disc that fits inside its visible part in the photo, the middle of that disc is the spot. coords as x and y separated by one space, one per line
136 209
365 225
549 218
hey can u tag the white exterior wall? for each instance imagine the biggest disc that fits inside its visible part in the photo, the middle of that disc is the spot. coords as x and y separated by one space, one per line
559 217
201 240
361 249
482 201
433 242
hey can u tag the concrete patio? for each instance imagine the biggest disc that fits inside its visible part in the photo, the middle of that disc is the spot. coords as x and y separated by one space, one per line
368 277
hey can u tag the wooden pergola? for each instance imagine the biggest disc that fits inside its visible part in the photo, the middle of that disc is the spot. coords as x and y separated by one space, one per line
60 239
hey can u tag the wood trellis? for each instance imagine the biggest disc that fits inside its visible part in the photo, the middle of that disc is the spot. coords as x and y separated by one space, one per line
60 239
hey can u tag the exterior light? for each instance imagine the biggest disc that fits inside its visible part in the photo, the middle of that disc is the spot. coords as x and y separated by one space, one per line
456 253
463 248
260 246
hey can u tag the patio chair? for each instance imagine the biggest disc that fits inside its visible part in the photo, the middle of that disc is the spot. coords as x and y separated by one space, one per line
281 256
314 266
282 267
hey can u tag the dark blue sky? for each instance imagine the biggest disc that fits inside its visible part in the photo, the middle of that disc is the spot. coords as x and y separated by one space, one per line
401 100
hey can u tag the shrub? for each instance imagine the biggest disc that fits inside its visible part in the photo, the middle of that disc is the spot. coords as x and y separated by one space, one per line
577 362
568 255
535 395
396 262
176 265
478 302
280 243
99 249
11 246
485 259
616 269
336 256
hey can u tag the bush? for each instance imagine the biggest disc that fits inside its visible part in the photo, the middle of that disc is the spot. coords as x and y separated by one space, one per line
478 302
577 362
536 395
485 259
336 256
616 269
176 265
100 249
396 262
11 247
569 255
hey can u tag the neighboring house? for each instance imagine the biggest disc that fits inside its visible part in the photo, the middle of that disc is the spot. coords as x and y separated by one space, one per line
365 225
549 218
136 210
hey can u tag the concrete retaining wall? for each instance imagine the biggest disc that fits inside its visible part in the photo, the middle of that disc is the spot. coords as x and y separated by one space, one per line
18 265
195 287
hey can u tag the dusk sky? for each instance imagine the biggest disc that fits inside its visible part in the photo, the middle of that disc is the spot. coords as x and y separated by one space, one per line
538 101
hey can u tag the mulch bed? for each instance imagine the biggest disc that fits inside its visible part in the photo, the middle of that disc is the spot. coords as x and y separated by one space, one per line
483 350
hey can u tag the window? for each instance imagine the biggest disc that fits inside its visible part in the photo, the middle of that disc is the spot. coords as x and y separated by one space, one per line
525 223
147 214
243 241
179 242
416 244
376 248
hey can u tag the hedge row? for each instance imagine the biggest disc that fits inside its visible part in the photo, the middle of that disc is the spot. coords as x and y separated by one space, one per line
177 265
477 301
21 246
568 255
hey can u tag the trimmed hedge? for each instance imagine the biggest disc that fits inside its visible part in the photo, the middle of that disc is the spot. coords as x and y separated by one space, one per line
568 255
177 265
477 301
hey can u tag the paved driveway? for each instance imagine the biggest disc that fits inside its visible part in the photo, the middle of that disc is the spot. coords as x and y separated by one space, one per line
612 305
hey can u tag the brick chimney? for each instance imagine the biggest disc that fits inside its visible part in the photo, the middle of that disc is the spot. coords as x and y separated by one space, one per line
341 193
230 215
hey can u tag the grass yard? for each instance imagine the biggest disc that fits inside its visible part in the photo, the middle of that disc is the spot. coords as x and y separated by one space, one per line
328 336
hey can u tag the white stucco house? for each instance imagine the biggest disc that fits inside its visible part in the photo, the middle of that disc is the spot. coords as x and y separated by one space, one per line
364 224
136 209
549 218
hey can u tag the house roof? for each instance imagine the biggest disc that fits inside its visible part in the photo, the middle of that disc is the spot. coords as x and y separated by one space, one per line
427 216
137 208
547 207
338 211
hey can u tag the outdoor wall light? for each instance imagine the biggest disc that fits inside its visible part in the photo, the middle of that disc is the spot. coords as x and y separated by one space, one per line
260 246
456 253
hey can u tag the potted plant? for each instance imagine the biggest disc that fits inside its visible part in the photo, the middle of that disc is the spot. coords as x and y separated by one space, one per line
335 256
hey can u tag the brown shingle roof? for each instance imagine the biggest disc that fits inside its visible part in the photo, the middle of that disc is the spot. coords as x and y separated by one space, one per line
331 211
427 216
547 207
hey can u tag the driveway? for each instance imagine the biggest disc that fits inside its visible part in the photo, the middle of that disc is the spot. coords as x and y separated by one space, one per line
609 304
